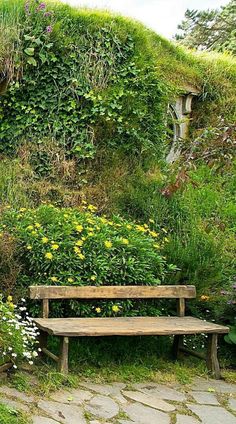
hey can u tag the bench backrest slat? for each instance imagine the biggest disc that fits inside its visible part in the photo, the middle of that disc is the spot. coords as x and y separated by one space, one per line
112 292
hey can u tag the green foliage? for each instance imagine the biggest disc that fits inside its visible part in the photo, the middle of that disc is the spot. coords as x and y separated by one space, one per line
199 217
17 335
81 92
210 29
68 246
11 416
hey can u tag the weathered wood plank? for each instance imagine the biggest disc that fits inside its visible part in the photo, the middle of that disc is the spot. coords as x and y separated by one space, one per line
112 292
192 352
50 354
6 366
127 326
64 350
181 307
212 359
45 308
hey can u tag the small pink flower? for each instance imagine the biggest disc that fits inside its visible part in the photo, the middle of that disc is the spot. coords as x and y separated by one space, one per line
49 29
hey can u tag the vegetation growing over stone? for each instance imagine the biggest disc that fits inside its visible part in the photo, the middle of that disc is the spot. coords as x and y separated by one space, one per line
83 117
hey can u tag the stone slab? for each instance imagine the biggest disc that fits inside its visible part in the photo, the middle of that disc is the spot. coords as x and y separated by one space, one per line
104 389
10 391
72 397
102 407
149 400
186 419
212 414
202 385
18 406
232 404
43 420
161 391
141 414
205 398
66 414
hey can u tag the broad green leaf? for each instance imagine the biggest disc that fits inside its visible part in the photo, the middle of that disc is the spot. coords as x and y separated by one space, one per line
32 61
29 51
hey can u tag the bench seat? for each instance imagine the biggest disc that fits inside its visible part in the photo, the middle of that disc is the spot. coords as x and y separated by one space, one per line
176 326
127 326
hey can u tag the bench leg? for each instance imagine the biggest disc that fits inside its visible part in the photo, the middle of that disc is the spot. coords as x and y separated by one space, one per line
63 361
177 344
43 338
212 360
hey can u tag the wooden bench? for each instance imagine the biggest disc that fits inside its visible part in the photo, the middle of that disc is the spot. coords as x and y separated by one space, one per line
178 326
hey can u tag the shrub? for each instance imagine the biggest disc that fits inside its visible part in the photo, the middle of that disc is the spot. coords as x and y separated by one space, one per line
17 334
76 247
69 246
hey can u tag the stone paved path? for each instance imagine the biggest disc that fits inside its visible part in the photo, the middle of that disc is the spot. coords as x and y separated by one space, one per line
205 401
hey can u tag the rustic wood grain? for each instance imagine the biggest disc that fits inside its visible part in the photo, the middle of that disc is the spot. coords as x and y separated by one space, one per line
112 292
212 360
127 326
64 350
45 308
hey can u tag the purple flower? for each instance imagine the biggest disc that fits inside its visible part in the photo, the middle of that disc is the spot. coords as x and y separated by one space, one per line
27 6
46 14
42 6
49 29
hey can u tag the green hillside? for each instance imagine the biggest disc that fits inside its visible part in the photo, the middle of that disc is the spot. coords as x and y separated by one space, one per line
83 118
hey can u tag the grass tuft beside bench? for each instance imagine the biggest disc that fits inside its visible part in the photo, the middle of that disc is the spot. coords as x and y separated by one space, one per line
126 326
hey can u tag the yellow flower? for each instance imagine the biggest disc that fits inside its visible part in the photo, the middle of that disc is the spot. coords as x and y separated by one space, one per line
34 233
151 220
54 279
129 227
154 234
37 225
98 310
166 240
77 250
93 277
22 209
115 308
29 247
108 244
103 220
156 245
11 305
79 243
141 228
9 298
124 241
79 228
70 280
90 234
30 227
92 208
49 255
44 240
55 246
205 297
81 256
83 238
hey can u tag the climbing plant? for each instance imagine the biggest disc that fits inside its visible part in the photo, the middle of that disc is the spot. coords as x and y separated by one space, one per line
82 93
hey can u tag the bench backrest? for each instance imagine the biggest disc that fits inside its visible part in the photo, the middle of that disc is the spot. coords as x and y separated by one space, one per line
45 293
